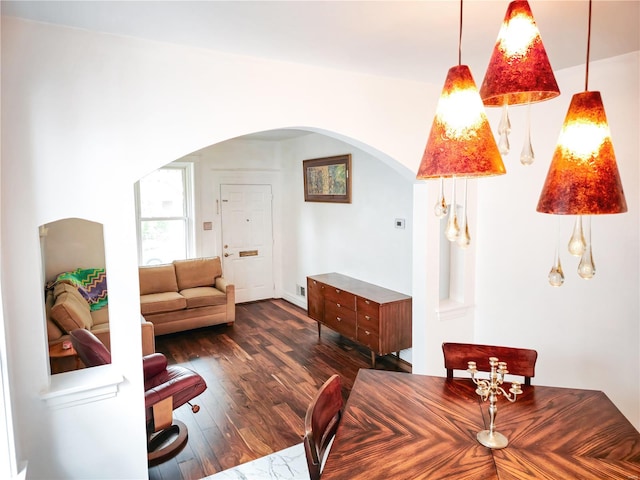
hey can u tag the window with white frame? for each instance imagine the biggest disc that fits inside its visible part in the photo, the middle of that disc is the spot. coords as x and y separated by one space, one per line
164 210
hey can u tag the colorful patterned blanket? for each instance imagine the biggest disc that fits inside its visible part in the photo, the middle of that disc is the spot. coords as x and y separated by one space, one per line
90 282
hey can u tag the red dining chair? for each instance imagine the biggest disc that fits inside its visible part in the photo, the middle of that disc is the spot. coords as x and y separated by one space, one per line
520 361
321 422
166 387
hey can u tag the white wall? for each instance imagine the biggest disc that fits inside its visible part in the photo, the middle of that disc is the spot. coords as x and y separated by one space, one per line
90 114
93 113
586 332
240 159
357 239
69 244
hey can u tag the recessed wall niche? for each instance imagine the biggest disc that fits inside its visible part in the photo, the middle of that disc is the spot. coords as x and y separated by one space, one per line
75 289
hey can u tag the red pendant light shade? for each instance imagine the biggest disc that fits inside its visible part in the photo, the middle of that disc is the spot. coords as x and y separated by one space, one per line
519 70
583 177
461 142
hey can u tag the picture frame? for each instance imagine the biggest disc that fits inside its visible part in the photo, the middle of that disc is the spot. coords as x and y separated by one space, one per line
327 179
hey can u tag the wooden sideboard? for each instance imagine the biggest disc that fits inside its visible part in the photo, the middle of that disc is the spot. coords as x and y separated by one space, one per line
375 317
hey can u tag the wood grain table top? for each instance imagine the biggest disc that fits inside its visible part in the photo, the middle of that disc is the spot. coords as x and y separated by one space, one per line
401 426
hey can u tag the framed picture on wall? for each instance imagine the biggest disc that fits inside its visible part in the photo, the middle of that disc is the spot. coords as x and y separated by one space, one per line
327 179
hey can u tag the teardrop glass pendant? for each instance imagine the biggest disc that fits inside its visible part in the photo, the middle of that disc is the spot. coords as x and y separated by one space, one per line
464 239
556 275
577 243
526 156
453 229
586 267
440 207
504 128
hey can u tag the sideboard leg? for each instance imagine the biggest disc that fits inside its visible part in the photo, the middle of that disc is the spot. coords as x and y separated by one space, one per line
373 359
319 327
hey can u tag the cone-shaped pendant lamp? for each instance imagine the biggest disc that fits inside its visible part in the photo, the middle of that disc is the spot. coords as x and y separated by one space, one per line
519 71
583 177
461 142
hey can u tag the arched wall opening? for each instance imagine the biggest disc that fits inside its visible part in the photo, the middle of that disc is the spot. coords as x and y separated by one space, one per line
130 107
92 113
312 237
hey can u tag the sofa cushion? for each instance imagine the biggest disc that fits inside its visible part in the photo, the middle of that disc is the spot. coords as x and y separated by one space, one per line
157 279
197 272
100 329
73 291
100 317
53 331
161 302
203 297
70 313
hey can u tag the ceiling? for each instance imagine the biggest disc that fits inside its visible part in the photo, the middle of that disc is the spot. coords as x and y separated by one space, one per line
415 40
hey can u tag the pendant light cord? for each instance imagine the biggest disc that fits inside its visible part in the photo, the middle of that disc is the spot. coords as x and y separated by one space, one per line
460 37
586 76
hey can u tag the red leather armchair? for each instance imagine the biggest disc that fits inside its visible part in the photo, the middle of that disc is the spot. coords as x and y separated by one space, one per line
167 387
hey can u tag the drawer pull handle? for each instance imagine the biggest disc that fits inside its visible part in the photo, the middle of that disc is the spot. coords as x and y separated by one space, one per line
338 305
367 332
367 302
339 319
367 317
337 291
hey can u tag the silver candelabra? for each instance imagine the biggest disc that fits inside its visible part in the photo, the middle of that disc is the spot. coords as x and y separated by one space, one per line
490 389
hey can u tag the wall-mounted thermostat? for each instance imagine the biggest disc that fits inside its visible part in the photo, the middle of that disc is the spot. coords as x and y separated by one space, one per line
399 222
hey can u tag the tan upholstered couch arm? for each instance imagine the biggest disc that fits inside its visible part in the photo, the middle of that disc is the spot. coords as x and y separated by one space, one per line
230 290
148 337
221 284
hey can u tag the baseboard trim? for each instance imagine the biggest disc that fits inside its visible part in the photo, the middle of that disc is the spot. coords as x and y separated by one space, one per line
296 300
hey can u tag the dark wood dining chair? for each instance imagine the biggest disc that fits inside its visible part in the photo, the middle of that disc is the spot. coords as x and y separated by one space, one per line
321 422
520 361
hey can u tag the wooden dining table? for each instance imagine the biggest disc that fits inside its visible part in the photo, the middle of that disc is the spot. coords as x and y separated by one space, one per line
401 426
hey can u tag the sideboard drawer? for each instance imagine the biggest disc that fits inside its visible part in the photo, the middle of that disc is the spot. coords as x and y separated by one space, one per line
368 307
368 322
333 310
315 299
369 339
345 299
340 319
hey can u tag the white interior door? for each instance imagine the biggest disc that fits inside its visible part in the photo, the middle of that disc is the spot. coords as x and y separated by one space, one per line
247 240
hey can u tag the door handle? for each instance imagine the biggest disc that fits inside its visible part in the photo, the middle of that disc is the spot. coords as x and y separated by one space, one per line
227 254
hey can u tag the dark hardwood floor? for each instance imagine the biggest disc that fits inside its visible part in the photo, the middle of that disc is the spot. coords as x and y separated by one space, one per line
261 374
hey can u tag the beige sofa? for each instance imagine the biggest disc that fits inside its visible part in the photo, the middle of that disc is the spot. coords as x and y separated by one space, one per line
66 310
186 294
